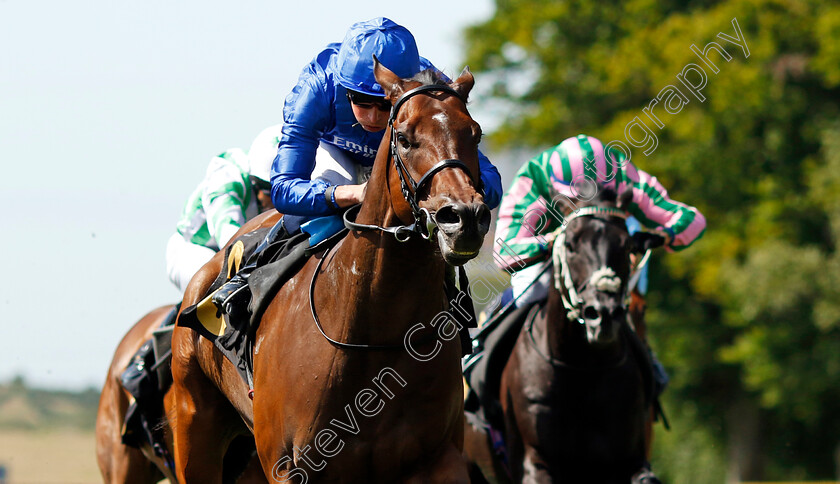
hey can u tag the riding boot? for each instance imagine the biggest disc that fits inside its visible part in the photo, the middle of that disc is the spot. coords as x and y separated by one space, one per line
234 295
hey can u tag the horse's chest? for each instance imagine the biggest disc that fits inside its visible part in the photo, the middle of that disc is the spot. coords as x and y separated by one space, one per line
376 420
576 416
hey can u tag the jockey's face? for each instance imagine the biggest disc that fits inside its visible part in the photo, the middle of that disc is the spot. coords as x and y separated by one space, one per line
370 111
264 200
372 119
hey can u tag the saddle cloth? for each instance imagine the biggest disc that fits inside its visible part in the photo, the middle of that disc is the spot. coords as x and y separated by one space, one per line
233 335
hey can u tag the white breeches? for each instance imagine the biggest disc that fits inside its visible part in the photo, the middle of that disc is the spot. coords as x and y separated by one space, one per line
520 281
184 259
333 165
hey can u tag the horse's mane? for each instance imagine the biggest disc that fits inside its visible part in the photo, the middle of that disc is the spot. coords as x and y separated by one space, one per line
607 195
430 76
604 195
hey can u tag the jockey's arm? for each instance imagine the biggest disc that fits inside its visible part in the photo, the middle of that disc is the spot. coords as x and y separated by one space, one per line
349 195
492 181
224 194
525 224
678 223
305 115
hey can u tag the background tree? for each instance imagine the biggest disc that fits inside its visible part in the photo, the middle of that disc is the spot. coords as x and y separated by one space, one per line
747 319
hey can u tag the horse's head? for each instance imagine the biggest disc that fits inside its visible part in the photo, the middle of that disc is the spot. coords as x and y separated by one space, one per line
433 146
592 265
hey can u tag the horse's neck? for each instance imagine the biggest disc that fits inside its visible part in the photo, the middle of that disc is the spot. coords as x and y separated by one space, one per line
381 280
560 332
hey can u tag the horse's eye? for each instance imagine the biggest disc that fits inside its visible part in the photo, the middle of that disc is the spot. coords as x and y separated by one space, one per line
568 244
403 141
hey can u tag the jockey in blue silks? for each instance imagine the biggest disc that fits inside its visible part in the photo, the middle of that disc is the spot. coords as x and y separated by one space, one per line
333 122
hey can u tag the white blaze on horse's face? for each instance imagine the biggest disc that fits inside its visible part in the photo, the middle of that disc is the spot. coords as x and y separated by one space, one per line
460 216
604 279
434 148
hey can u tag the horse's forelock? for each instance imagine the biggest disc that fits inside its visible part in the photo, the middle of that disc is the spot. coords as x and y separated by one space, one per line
429 76
604 195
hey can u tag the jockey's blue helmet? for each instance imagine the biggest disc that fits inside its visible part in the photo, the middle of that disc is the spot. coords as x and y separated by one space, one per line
392 44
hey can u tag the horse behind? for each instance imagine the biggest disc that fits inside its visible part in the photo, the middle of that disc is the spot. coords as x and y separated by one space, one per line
357 374
123 464
576 390
120 463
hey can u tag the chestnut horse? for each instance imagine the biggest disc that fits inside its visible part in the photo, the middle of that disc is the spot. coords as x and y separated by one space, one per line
120 463
123 464
576 391
381 399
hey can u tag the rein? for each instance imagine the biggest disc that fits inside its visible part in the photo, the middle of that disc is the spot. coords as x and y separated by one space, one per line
424 221
338 344
603 279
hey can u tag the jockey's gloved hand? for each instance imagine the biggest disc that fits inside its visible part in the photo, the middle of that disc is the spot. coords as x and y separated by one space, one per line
643 241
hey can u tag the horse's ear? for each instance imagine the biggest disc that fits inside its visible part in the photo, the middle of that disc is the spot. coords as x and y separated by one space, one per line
464 84
625 198
390 82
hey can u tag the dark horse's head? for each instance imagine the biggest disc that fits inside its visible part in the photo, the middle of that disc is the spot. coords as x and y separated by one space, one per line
434 175
592 265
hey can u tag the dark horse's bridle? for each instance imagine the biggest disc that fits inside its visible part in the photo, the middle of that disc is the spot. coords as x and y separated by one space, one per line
424 222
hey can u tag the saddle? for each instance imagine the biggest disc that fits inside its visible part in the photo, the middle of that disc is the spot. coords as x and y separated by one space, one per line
148 376
233 334
492 345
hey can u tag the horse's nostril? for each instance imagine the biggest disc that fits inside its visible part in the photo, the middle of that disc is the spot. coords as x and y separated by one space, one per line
589 312
483 215
448 215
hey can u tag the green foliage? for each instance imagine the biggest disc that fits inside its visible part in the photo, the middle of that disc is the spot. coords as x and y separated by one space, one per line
690 453
752 310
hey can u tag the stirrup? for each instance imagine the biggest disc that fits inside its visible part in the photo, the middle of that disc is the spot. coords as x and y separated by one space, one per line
231 293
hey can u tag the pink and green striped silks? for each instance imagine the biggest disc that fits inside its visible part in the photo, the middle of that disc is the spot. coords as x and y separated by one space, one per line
547 184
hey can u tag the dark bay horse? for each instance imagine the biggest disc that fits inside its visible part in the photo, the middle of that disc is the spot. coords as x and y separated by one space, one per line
381 401
576 390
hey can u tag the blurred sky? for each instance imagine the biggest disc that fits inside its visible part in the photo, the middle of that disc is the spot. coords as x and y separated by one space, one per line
109 114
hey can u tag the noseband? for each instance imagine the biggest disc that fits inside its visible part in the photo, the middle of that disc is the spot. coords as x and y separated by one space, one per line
424 222
603 279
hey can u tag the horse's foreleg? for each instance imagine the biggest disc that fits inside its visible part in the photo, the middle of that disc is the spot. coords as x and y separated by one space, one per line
121 464
534 468
449 468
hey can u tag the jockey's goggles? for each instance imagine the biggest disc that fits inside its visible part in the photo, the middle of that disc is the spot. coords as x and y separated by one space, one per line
366 101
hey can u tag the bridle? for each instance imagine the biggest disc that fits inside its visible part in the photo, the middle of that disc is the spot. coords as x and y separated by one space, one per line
603 279
424 223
